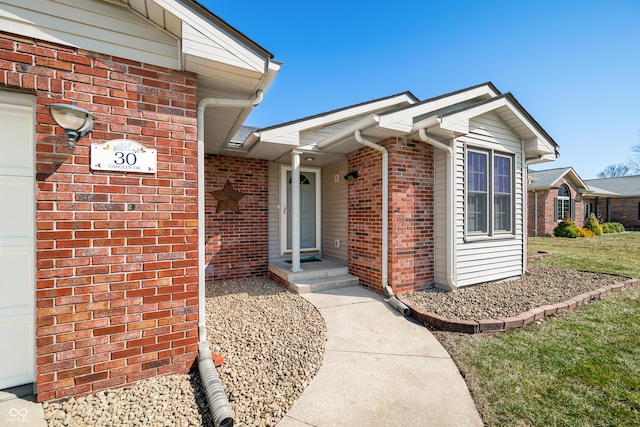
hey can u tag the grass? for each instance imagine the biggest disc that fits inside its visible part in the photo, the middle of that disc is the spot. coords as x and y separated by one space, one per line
610 253
578 369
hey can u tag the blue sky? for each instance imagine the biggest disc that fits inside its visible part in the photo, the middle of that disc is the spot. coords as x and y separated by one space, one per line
573 65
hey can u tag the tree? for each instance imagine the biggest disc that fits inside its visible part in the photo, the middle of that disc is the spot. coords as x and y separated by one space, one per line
634 160
632 167
612 171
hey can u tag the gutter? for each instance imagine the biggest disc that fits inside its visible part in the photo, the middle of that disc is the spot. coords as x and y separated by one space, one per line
451 207
391 298
216 397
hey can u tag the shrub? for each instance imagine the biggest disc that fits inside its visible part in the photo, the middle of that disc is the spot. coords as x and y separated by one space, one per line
566 228
585 232
612 227
593 225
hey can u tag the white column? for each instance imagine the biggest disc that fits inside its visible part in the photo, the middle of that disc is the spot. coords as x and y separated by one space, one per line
295 211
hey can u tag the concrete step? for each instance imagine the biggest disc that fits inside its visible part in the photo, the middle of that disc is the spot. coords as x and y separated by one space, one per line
305 286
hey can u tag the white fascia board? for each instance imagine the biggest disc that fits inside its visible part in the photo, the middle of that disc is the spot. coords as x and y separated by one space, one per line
361 125
538 146
252 60
459 121
324 120
273 67
398 119
574 175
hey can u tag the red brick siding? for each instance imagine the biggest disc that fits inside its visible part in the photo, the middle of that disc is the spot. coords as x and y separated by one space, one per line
117 291
411 175
411 218
237 243
624 210
364 218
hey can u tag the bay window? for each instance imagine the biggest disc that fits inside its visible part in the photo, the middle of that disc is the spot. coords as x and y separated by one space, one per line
489 192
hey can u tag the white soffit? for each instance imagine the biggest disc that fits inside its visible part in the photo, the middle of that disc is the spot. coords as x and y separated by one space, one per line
509 113
289 133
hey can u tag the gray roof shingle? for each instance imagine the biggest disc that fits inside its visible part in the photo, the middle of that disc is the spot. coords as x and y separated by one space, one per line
625 186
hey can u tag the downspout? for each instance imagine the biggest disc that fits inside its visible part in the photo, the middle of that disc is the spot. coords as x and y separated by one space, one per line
391 298
216 397
535 216
526 208
451 207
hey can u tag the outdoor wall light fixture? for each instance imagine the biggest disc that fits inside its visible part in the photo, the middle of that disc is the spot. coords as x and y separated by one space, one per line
75 121
351 176
309 159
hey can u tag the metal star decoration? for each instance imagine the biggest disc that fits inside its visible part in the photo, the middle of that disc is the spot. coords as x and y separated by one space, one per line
228 198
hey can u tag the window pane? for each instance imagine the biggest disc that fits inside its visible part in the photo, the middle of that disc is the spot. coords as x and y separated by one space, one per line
502 212
563 208
477 192
502 193
477 171
477 212
502 175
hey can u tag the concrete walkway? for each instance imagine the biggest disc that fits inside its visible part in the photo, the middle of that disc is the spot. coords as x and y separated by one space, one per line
380 369
20 412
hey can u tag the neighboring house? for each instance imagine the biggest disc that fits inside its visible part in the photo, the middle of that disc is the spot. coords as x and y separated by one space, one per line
558 193
616 199
99 270
454 203
554 194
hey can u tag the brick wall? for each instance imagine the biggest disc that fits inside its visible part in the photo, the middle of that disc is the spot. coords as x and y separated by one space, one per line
237 243
411 221
624 210
364 212
116 252
411 174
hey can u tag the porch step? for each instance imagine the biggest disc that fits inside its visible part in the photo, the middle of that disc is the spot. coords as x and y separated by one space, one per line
316 276
305 286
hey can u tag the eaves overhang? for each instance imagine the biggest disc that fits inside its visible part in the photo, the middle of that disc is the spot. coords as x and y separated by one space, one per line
536 139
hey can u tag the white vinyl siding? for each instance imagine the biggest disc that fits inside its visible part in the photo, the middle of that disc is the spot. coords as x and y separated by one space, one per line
98 26
493 257
334 211
274 211
213 48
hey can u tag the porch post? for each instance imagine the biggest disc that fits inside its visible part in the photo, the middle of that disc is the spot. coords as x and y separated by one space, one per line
295 211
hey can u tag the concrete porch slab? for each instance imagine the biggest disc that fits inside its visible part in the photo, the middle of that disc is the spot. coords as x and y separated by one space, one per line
315 276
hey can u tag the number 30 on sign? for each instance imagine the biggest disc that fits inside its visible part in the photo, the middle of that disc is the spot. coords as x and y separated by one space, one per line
123 155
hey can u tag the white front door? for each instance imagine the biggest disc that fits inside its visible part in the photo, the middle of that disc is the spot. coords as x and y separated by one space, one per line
309 208
17 240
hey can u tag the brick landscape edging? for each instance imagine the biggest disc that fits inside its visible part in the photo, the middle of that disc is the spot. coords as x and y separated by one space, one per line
503 324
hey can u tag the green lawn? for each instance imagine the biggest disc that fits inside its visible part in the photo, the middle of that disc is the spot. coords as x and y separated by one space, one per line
578 369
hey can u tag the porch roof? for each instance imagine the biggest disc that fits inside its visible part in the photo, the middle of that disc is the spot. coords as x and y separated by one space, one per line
330 136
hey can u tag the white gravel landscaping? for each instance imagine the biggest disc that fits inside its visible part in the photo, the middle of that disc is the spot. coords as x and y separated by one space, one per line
495 300
272 340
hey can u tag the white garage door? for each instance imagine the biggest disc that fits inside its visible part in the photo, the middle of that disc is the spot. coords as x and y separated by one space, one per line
17 240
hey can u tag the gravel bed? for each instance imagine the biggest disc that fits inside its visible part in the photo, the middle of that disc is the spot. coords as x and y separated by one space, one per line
494 300
174 400
272 340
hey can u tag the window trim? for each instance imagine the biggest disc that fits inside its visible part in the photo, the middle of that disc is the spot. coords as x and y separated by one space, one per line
491 232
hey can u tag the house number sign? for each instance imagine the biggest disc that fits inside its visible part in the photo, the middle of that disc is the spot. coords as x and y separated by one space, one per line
123 155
